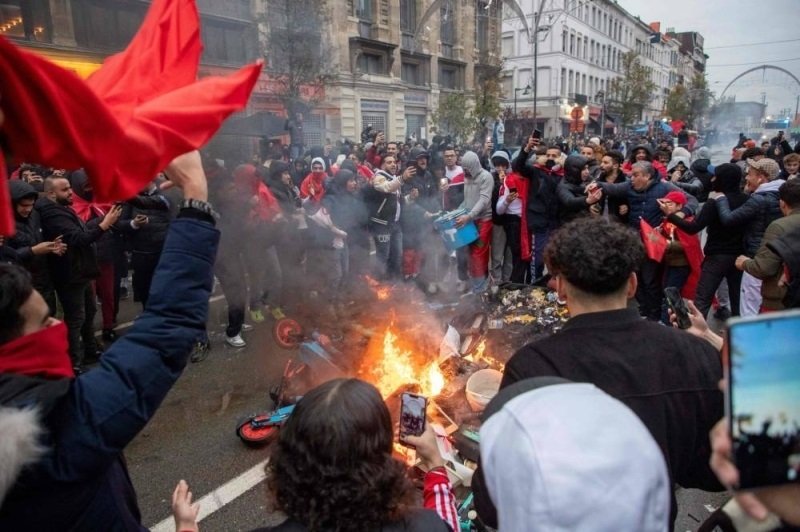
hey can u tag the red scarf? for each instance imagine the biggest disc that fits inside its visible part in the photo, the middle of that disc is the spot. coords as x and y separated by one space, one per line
43 353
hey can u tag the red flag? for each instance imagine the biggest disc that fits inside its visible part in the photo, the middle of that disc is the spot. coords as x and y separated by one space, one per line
162 57
655 244
7 225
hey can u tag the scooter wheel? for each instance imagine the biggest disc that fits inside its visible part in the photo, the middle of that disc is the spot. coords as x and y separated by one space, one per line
255 437
287 333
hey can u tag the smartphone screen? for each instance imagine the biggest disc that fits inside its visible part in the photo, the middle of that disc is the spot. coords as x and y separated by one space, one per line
412 414
763 402
678 306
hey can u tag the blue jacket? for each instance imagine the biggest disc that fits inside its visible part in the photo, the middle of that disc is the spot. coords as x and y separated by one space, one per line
82 482
643 204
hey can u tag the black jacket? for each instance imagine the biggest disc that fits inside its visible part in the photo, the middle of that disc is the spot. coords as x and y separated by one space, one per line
700 169
79 263
668 377
542 198
721 240
760 210
29 233
150 237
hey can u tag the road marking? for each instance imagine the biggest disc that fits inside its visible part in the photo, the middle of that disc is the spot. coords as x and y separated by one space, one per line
221 496
127 324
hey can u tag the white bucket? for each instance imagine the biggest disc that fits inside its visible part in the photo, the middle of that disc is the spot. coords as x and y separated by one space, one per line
481 387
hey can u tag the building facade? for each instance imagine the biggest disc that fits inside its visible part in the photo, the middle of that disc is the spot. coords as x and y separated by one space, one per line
580 48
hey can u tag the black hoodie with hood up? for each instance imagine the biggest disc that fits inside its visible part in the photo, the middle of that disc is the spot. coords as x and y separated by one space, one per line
29 233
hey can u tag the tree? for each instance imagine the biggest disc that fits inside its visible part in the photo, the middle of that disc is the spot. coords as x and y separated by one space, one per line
297 61
455 116
488 98
699 99
677 104
633 90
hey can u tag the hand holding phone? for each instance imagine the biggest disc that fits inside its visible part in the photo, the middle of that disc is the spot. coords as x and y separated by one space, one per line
678 306
412 415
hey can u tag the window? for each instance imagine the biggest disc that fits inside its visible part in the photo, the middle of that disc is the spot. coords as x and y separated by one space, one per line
571 44
369 63
411 73
363 10
481 25
583 83
563 82
408 16
508 85
25 19
571 83
447 30
447 77
107 25
585 48
564 41
508 45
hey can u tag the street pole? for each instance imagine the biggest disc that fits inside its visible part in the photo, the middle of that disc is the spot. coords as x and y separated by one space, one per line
602 115
537 17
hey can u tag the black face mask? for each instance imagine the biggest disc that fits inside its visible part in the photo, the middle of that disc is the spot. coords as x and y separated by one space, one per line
550 163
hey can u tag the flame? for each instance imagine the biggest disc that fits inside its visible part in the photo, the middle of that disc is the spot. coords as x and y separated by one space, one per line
480 356
381 292
395 367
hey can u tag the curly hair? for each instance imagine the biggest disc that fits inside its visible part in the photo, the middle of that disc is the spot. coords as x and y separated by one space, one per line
594 255
332 467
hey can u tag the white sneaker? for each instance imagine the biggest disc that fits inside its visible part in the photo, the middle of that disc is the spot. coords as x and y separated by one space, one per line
246 327
432 288
235 341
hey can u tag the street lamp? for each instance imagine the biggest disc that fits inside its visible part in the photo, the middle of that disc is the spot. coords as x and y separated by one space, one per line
525 91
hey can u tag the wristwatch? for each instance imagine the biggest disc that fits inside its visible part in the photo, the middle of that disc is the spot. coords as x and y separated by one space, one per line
201 206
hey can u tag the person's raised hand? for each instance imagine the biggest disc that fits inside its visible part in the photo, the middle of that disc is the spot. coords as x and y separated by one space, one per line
409 172
533 142
186 172
111 217
427 448
184 512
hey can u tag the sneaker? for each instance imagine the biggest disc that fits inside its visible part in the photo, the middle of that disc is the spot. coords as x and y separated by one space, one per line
722 313
246 327
109 335
200 351
432 288
235 341
256 315
277 313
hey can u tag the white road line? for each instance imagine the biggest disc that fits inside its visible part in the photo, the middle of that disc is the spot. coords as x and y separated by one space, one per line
221 496
127 324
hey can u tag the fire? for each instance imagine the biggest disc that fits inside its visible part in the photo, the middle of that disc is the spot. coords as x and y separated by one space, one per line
381 292
396 367
480 356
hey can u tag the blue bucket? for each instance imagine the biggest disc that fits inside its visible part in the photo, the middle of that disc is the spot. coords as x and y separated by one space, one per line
453 237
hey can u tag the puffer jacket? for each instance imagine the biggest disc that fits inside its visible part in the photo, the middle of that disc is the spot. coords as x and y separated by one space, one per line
760 210
82 482
644 204
700 169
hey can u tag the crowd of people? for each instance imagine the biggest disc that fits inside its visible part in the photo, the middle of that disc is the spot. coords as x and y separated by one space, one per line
660 397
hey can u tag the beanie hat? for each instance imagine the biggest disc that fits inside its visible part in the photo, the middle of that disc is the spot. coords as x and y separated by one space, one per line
703 153
676 196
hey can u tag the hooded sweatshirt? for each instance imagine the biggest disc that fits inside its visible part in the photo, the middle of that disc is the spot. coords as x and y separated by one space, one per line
688 182
315 181
29 233
478 184
570 457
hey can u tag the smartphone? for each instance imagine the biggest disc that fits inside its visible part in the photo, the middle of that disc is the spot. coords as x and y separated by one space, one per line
536 134
763 397
678 306
512 190
412 414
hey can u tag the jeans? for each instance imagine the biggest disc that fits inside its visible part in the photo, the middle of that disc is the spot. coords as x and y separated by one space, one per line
388 250
77 300
717 268
540 239
674 277
501 263
520 270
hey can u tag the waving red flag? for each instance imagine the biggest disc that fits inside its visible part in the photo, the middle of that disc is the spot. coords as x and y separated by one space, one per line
7 226
162 57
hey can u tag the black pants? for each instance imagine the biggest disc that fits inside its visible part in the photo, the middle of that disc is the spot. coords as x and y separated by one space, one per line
77 300
144 267
715 269
648 293
520 270
230 271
